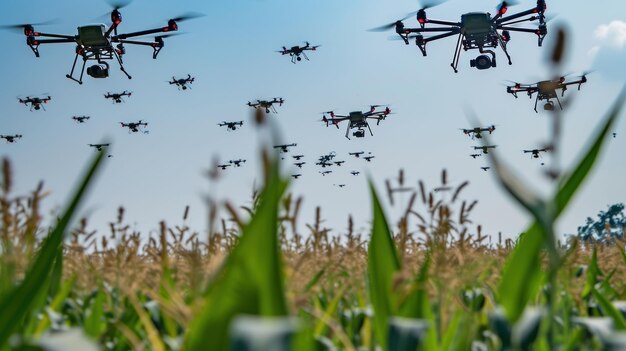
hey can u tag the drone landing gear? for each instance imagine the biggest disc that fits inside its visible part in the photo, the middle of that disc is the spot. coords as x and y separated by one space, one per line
457 54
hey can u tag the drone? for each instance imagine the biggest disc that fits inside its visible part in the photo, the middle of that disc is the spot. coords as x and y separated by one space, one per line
535 153
231 125
326 172
285 147
99 147
11 138
80 119
296 176
95 42
35 102
355 173
476 132
476 30
475 155
485 148
299 164
237 163
324 164
297 157
356 154
267 105
485 168
223 167
340 185
339 163
357 119
134 127
118 98
327 158
296 51
182 82
546 90
368 158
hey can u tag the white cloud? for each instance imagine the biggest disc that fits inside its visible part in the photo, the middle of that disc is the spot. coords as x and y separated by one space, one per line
613 33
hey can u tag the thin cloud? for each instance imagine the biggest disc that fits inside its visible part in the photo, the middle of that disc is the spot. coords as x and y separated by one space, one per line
609 53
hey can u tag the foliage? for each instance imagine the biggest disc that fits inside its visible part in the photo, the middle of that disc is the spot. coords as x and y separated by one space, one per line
608 226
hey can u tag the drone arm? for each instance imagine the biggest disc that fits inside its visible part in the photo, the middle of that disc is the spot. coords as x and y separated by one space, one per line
444 23
58 36
52 41
453 30
523 30
140 33
504 20
155 45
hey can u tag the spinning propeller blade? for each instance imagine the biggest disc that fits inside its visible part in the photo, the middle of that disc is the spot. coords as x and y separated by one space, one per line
188 16
18 28
387 27
118 4
427 4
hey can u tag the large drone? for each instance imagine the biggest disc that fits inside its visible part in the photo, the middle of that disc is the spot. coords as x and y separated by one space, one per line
11 138
182 83
95 42
296 51
267 105
546 90
285 147
476 30
134 127
118 98
476 132
357 119
35 102
231 125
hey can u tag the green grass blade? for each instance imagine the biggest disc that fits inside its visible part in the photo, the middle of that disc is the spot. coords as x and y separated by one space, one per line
94 321
593 271
18 302
609 310
382 264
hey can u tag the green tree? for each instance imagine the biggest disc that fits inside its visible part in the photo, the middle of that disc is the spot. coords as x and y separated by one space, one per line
609 225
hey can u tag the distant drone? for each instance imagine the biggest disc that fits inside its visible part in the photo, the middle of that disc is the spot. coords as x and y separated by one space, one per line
35 102
80 119
327 158
485 149
356 154
299 164
297 157
134 127
99 147
476 30
340 185
267 105
535 153
355 173
95 43
237 163
223 167
11 138
285 147
485 168
326 172
368 158
476 132
118 98
296 51
231 125
183 82
357 119
475 155
324 164
296 176
546 90
339 163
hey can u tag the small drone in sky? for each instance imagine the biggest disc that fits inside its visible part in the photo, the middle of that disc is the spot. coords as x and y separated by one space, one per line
355 173
182 83
326 172
237 163
357 119
296 176
535 153
267 105
11 138
95 42
299 164
475 155
327 158
134 127
223 167
285 147
356 154
476 132
485 168
231 125
339 163
476 30
80 119
118 98
546 90
485 148
35 102
99 147
340 185
297 157
296 51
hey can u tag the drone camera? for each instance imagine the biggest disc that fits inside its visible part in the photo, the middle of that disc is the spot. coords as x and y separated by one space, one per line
98 71
482 62
359 133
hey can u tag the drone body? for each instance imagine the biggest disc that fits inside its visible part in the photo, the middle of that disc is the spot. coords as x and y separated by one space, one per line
299 164
285 147
36 103
357 120
485 148
223 167
118 98
183 83
475 155
134 127
267 105
231 125
296 176
368 158
99 147
355 173
535 153
11 138
475 133
237 163
546 90
297 52
80 119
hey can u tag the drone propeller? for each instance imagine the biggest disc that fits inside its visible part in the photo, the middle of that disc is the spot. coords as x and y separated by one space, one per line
427 4
506 4
118 4
18 28
188 16
387 27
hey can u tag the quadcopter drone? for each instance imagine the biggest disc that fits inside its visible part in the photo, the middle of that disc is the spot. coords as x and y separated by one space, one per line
223 167
339 163
99 147
231 125
11 138
267 105
476 30
296 51
356 154
485 168
485 148
535 153
327 158
182 82
285 147
355 173
476 132
118 98
297 157
296 176
340 185
475 155
95 43
546 90
326 172
134 127
324 164
299 164
357 119
35 102
368 158
80 119
237 163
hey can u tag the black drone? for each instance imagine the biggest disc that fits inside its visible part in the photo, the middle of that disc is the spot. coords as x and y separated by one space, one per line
299 164
546 90
476 132
182 83
340 185
475 155
296 176
285 147
296 51
134 127
223 167
485 148
357 119
368 158
99 147
355 173
327 158
237 163
80 119
267 105
339 163
326 172
485 168
357 154
118 98
323 163
535 153
297 157
94 42
231 125
476 30
11 138
36 103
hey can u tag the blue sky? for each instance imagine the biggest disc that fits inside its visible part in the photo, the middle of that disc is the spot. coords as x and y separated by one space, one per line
231 52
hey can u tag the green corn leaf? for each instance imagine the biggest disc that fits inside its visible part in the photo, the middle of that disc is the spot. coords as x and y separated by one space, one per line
18 302
610 310
55 305
382 264
94 321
